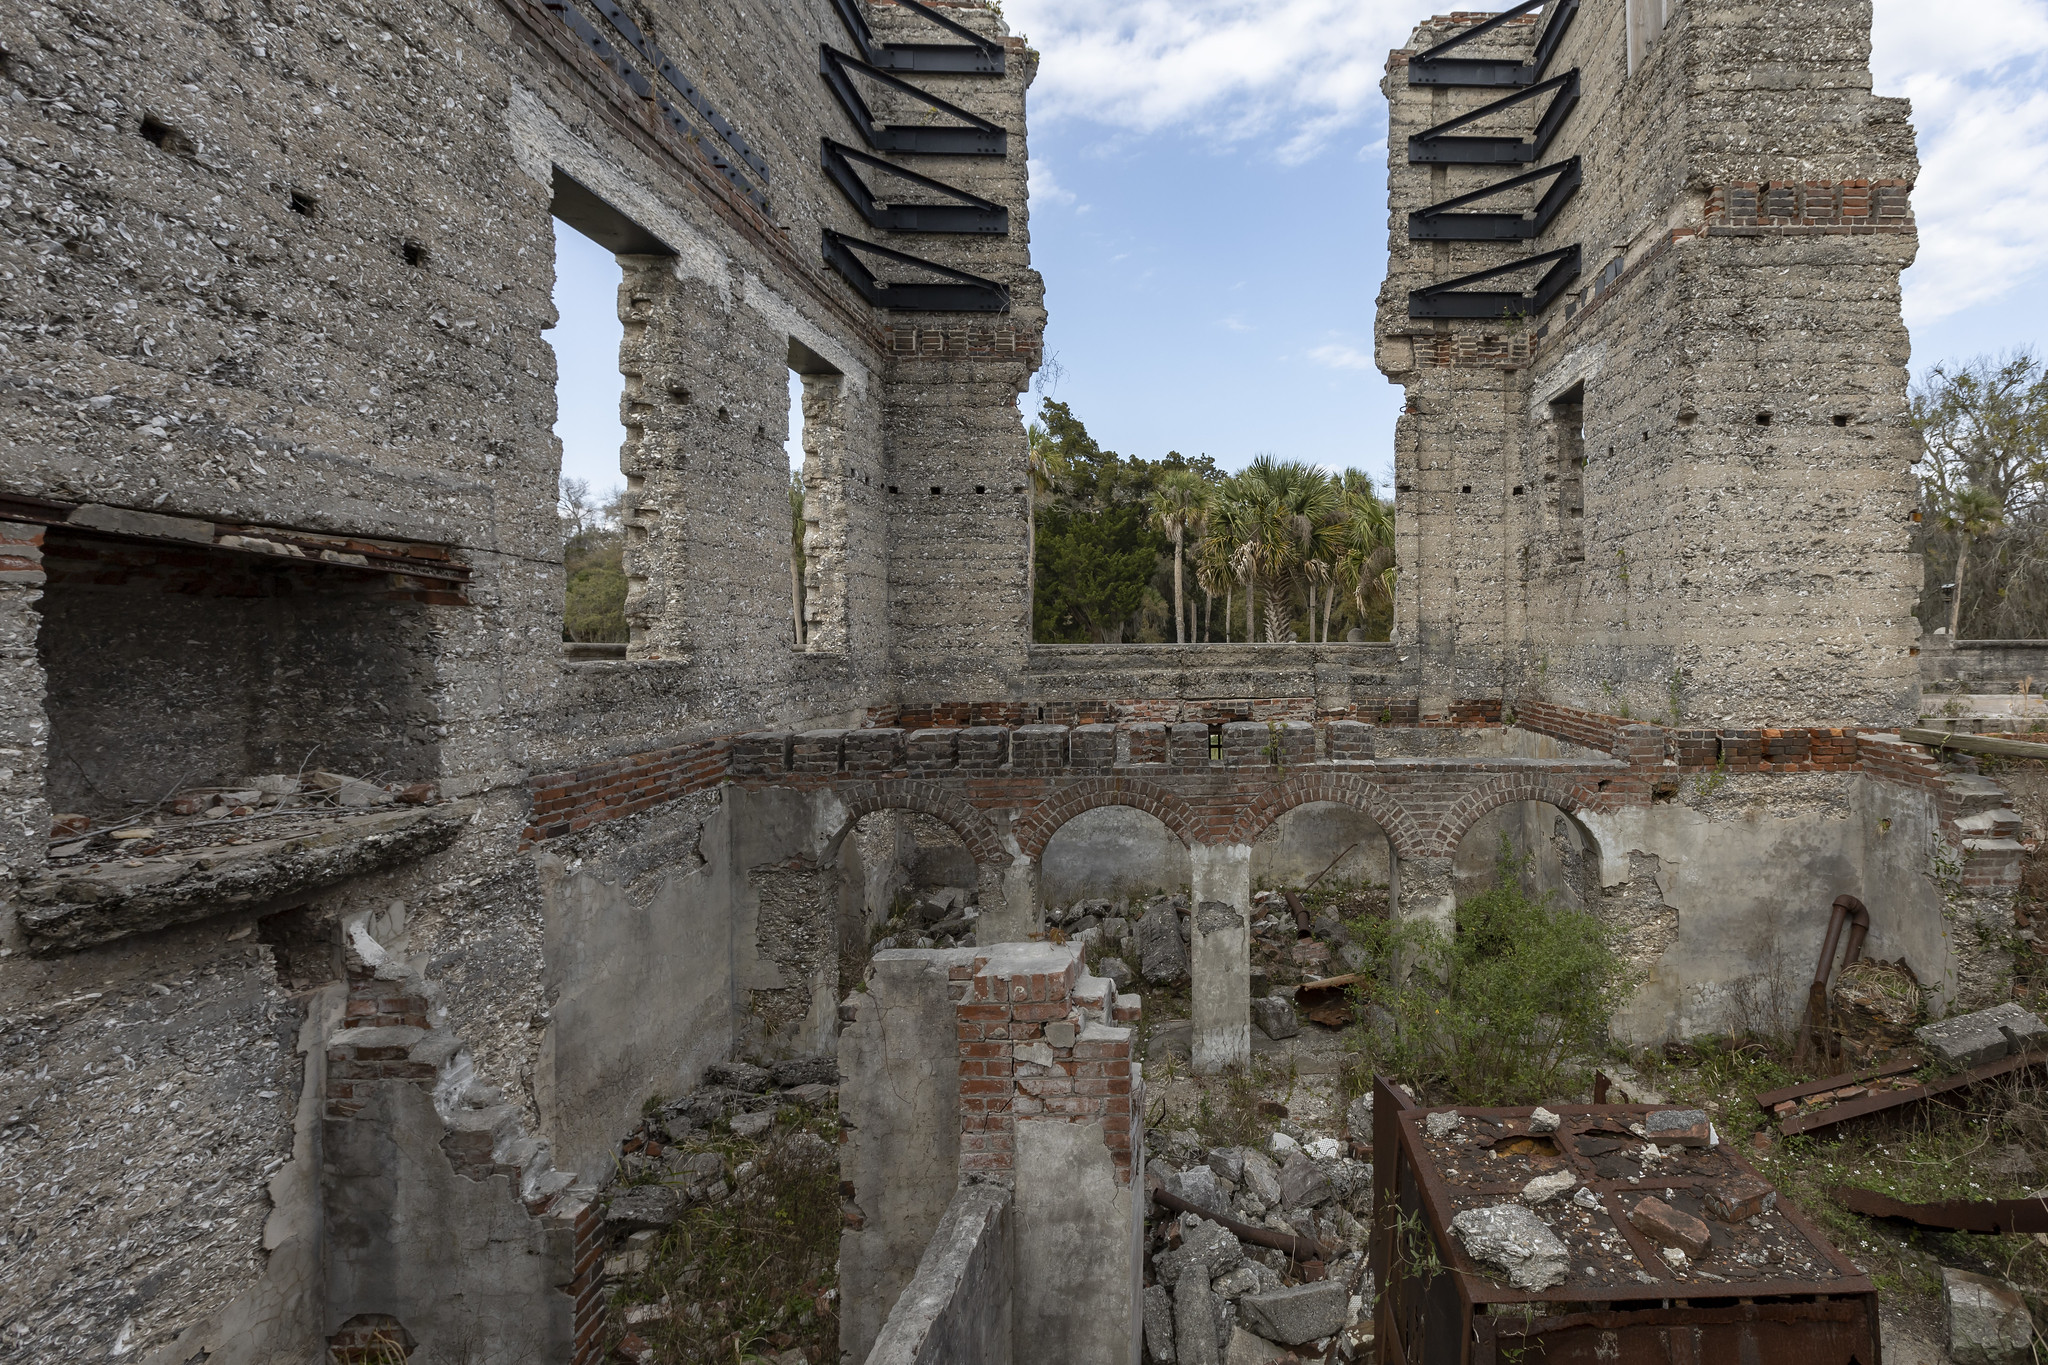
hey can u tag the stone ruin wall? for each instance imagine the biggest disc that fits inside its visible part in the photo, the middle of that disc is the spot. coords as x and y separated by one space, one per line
285 273
287 267
1743 221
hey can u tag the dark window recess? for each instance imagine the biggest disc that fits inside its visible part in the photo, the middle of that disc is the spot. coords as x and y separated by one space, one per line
894 489
305 203
1841 419
1465 488
1518 490
936 490
980 489
1568 434
415 253
167 137
1763 419
1215 744
1016 488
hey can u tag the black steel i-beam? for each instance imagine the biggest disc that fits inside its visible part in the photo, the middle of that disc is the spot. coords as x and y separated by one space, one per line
971 214
979 138
1431 67
967 294
978 56
1437 222
1452 300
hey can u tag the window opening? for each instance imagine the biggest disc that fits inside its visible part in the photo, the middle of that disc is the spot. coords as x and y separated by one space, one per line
1568 422
590 392
820 475
1646 21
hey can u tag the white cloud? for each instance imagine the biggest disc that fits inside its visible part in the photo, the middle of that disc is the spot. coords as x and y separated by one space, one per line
1978 78
1341 357
1299 71
1046 189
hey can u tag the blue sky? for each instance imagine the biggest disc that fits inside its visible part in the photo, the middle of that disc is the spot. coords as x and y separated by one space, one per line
1208 181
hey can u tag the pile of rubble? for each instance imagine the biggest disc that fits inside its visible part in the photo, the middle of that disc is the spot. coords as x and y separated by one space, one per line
723 1146
271 806
932 919
1260 1257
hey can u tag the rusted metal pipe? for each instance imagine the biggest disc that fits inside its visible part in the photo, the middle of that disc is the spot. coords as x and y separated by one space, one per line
1299 1249
1846 910
1302 927
1991 1216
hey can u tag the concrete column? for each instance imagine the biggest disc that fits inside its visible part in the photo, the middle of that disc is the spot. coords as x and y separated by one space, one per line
1011 915
1423 889
1219 957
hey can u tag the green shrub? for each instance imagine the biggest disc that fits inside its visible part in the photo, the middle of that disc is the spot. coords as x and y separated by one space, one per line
1505 1010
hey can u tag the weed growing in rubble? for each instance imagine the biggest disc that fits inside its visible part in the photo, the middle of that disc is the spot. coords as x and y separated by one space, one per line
756 1274
1507 1009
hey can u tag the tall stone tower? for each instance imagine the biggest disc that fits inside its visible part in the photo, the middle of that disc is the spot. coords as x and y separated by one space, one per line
1643 295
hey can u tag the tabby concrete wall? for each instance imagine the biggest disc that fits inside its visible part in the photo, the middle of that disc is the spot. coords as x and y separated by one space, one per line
288 269
1729 367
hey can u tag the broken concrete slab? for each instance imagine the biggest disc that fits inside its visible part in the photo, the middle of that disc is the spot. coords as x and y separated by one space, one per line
1515 1242
1274 1014
1162 952
77 907
1966 1040
1158 1311
1988 1322
1304 1313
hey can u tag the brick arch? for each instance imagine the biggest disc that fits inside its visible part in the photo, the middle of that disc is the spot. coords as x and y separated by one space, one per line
1467 809
1343 789
1037 828
865 798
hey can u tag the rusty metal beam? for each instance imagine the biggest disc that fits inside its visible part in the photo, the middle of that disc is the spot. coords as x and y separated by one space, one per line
1864 1106
1993 1216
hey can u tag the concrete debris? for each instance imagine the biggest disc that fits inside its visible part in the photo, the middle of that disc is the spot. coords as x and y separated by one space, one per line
1274 1014
1303 1183
1545 1188
1968 1040
1246 1349
1228 1162
795 1071
1194 1319
1198 1186
1206 1245
738 1076
644 1206
753 1125
1158 1311
1679 1128
812 1096
1358 1119
1541 1120
1117 971
1671 1227
1261 1176
1442 1124
1234 1283
1515 1242
1162 952
1988 1322
1304 1313
344 790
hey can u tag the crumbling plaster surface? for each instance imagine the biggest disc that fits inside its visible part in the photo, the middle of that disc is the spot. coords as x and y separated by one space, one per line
404 1217
147 1100
1079 1232
1744 946
899 1068
1112 851
637 970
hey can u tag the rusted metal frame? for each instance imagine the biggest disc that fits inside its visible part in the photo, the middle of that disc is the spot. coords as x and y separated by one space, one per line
1302 927
1846 910
1770 1099
1990 1216
1846 1110
1854 1281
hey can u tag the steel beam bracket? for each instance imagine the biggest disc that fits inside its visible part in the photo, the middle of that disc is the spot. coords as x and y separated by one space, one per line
1452 299
968 293
1431 67
979 138
978 56
1437 223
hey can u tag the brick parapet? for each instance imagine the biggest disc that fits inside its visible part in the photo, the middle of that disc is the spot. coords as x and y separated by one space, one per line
1039 1040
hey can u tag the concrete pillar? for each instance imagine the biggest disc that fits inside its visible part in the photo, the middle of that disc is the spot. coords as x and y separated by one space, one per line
1011 915
1219 957
1423 889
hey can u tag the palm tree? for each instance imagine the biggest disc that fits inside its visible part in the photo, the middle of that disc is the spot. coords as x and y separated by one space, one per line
1366 540
1178 503
1970 513
1295 527
1047 464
